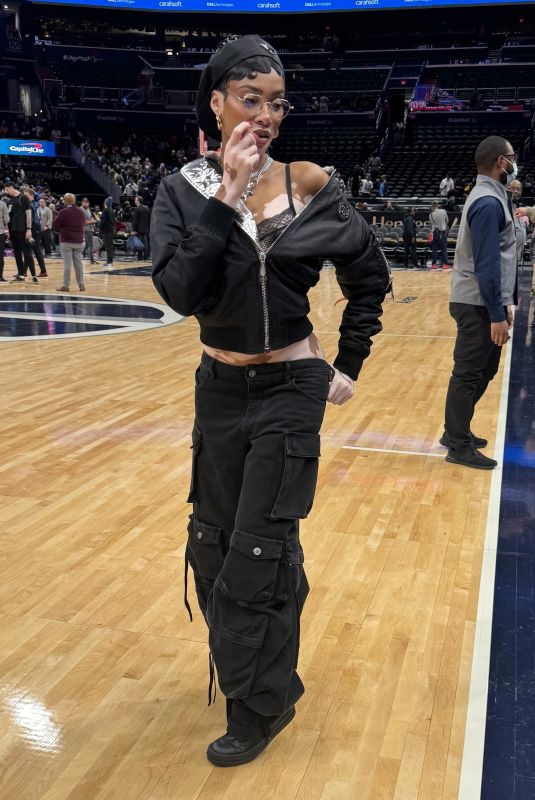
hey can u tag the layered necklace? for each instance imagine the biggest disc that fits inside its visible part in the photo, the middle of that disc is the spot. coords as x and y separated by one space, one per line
255 177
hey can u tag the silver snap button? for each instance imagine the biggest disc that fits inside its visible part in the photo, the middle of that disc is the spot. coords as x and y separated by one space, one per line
199 535
257 551
252 373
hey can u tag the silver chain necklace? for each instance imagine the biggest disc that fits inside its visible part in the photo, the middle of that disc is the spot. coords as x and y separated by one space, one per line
255 177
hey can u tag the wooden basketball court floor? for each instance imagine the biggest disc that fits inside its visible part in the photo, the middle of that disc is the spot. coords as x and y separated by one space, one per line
103 679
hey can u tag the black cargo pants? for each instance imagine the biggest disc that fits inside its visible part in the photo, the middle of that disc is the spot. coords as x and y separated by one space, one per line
476 361
255 463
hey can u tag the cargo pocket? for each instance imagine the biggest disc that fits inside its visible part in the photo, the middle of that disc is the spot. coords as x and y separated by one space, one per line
194 495
294 489
235 649
205 550
251 567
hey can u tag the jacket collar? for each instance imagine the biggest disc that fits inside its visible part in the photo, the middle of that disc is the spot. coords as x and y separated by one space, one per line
203 176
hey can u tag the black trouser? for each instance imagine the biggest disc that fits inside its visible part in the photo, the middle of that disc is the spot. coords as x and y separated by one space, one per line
2 249
22 250
38 251
255 462
88 245
476 361
107 239
47 241
439 246
410 249
145 253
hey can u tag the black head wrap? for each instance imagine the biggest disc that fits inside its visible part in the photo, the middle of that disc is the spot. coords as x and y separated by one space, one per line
223 60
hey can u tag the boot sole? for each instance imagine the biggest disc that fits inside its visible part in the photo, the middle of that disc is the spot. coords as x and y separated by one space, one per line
466 464
250 755
482 443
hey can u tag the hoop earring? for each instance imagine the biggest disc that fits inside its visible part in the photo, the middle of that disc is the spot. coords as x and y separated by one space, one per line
219 122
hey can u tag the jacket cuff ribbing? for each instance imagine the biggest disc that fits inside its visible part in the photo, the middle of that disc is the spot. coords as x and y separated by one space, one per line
348 362
217 218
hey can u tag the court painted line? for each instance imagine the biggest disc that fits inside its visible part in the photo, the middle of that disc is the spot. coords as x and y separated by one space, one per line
396 452
474 742
79 320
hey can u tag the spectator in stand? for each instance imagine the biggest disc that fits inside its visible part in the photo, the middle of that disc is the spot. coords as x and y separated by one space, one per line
141 228
88 230
446 186
70 224
384 189
107 230
36 231
366 186
20 232
45 219
374 167
451 204
4 222
358 175
459 187
409 237
439 230
130 189
324 105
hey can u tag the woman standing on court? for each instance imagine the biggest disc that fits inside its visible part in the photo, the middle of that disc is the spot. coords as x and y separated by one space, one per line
238 243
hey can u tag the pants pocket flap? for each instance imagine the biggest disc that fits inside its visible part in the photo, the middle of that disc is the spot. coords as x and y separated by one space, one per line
303 445
253 638
203 533
255 547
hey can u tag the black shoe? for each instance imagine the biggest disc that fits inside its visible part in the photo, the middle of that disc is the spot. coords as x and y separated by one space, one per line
471 458
247 736
477 441
34 279
19 279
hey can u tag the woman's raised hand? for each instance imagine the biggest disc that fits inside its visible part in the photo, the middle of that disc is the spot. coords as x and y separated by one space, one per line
240 157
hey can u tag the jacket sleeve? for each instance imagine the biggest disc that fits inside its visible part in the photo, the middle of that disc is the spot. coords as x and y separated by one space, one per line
364 277
187 261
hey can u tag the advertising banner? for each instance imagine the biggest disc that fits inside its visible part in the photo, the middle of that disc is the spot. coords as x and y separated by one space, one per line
25 147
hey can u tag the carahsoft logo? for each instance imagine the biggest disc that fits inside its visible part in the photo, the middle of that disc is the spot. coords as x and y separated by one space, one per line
27 147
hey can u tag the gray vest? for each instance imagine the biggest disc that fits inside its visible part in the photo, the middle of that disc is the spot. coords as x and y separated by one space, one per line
464 284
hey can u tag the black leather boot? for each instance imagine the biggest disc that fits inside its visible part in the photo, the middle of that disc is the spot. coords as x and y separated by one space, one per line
248 734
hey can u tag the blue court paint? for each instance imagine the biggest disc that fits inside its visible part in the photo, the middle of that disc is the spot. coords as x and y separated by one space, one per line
509 760
39 315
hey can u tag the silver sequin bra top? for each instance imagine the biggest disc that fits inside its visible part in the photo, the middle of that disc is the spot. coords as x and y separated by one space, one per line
270 229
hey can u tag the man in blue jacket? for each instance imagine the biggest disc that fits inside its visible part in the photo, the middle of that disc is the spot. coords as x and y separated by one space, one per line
483 292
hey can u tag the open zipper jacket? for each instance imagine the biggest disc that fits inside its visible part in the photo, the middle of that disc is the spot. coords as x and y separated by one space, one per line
207 262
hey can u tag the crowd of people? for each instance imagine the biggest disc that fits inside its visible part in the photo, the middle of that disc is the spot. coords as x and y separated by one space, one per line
34 227
141 161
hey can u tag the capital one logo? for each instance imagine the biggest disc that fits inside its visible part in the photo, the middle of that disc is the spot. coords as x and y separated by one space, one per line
27 147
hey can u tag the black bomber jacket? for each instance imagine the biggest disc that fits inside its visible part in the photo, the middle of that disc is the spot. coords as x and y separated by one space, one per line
207 262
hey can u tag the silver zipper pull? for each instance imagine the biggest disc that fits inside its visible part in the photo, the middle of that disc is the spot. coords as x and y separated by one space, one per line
262 257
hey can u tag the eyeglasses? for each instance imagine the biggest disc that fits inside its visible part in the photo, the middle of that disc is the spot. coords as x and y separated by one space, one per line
254 103
512 156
